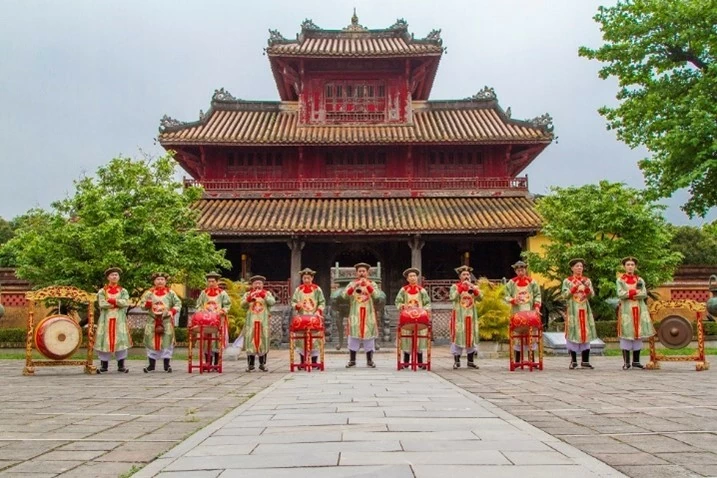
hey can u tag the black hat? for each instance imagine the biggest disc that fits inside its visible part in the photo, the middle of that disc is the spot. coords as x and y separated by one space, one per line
463 269
519 264
213 275
160 274
575 261
256 278
113 269
411 269
307 271
629 258
362 264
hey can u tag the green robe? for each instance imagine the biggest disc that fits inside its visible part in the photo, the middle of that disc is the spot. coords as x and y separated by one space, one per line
308 301
579 321
522 294
215 300
464 321
362 313
633 310
409 296
112 329
165 305
256 328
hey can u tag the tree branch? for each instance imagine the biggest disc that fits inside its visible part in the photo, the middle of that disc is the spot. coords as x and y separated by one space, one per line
677 54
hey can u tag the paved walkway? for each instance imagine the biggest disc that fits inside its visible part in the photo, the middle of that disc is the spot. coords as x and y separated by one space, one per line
377 422
647 424
365 422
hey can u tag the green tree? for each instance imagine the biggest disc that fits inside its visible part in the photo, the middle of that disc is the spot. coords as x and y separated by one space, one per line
493 311
603 223
698 245
6 231
133 215
662 53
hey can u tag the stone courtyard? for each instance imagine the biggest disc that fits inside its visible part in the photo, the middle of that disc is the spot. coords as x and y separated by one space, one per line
362 422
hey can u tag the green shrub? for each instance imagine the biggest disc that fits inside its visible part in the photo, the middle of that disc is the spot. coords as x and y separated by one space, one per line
606 328
493 311
13 335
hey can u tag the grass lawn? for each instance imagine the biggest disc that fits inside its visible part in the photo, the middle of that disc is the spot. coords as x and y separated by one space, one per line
646 351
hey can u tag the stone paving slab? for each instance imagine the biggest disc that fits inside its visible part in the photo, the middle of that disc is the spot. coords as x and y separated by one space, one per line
645 423
62 422
260 438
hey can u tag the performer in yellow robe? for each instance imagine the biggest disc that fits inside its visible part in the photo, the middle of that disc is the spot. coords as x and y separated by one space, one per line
634 321
113 335
308 299
413 295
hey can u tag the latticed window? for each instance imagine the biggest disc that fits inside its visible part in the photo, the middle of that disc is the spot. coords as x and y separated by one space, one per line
355 164
351 101
255 163
455 163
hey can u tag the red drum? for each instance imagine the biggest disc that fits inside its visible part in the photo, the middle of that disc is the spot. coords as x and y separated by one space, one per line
207 319
306 322
522 320
58 337
414 317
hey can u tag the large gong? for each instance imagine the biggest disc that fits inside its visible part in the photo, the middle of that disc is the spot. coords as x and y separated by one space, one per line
57 337
675 332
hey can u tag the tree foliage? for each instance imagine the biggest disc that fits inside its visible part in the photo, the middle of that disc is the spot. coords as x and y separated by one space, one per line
602 224
662 53
493 311
133 214
698 245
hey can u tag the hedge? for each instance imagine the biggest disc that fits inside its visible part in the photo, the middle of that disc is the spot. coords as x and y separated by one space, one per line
18 335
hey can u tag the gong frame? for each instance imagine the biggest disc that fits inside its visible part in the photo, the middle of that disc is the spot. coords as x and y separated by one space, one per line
687 309
59 292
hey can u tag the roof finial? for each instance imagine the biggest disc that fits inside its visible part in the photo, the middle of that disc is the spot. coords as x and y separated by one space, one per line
354 18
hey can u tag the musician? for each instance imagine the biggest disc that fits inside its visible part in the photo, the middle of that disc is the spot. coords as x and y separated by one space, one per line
163 305
464 321
634 321
308 299
113 336
214 299
522 293
579 323
363 328
257 302
413 295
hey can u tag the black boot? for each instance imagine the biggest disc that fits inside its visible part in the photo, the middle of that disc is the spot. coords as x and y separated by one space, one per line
471 363
636 359
150 367
167 367
216 358
301 359
586 359
406 359
626 359
352 359
369 360
120 367
314 359
573 360
262 363
249 363
456 361
516 354
103 366
419 359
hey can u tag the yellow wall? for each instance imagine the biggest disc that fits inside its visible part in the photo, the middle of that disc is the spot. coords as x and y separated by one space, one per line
535 244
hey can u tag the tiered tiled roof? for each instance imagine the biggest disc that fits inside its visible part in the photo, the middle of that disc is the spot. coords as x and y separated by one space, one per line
281 217
355 41
476 120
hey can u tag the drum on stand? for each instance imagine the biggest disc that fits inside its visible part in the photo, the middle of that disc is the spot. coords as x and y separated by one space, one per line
58 337
414 318
414 324
307 327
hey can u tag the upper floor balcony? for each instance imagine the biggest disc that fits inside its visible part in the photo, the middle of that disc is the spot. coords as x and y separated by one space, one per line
362 187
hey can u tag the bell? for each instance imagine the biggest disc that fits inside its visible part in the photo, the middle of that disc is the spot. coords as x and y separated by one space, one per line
712 301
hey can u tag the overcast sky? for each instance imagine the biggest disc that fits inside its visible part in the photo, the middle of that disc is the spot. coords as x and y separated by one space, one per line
84 81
